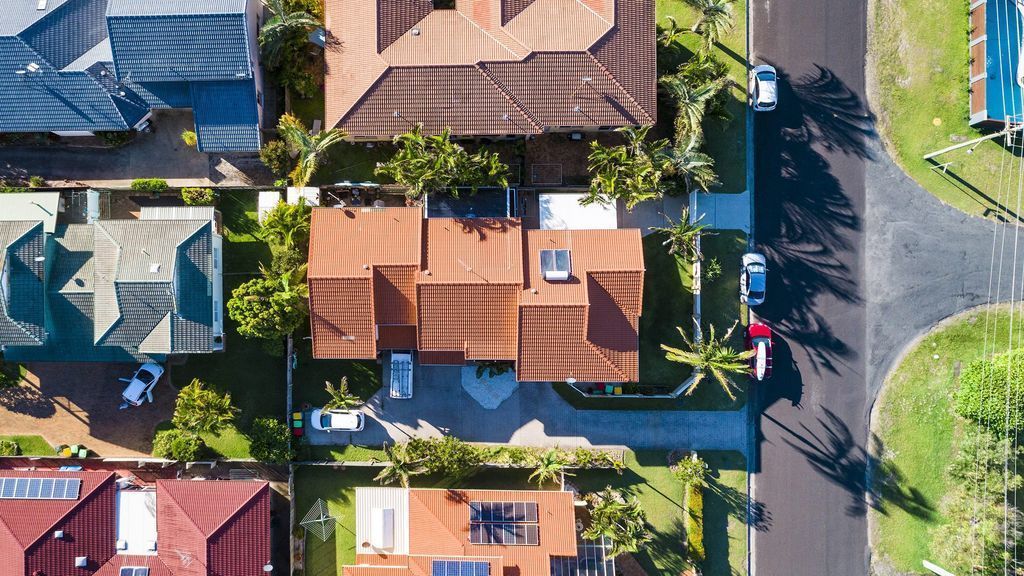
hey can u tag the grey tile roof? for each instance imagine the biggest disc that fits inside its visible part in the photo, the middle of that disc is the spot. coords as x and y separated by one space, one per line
22 306
69 32
226 116
183 47
20 14
165 7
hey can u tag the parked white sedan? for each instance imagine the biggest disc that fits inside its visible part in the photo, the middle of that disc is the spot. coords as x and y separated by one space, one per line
141 384
764 88
337 420
753 278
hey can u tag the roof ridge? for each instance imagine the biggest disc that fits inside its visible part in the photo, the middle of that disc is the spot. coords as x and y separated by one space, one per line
615 81
604 356
599 16
230 517
81 501
512 99
489 35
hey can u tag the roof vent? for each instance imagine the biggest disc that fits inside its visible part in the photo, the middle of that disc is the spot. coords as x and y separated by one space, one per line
154 268
415 31
555 265
81 561
58 534
122 544
41 5
151 546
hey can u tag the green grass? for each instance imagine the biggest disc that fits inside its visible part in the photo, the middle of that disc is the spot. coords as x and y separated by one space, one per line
668 303
918 430
228 443
310 375
353 162
725 514
346 453
253 374
309 109
725 140
720 298
921 70
30 445
337 488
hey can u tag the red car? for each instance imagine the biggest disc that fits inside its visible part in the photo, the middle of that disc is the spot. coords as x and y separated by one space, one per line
759 339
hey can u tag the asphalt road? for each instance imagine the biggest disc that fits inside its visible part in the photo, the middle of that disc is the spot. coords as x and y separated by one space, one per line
810 511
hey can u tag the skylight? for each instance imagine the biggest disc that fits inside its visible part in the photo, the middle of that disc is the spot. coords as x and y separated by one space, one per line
555 264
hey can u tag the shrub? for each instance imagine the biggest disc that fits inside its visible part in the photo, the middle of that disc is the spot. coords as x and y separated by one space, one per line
149 185
711 270
448 455
269 441
275 157
36 182
177 444
690 471
12 190
10 374
284 260
200 409
265 312
517 456
198 196
982 396
116 139
8 448
189 138
695 523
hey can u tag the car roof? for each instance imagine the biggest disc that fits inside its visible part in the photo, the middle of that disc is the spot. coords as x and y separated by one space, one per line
758 330
343 419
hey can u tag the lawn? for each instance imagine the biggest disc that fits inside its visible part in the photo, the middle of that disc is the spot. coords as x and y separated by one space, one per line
668 303
921 95
29 445
252 373
725 514
726 139
918 431
310 375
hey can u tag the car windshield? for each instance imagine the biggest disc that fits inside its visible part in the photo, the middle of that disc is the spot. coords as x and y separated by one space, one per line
755 268
144 376
757 294
325 420
766 76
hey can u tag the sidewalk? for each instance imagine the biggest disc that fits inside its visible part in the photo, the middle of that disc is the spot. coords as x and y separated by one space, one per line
725 211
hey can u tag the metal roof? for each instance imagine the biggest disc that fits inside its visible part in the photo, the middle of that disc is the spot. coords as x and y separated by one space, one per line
170 7
21 302
226 116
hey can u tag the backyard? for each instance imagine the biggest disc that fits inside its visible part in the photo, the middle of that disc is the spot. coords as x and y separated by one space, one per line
921 93
918 433
646 476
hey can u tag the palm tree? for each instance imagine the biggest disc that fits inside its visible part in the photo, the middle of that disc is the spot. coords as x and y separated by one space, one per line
311 149
715 20
550 465
291 287
673 33
691 103
695 167
340 397
630 172
400 466
282 28
620 520
682 235
287 225
711 356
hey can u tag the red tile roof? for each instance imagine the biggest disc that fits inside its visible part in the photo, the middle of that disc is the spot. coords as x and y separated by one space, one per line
490 66
206 529
478 294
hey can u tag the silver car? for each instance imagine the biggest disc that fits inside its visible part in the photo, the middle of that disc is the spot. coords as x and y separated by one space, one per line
764 88
337 420
753 278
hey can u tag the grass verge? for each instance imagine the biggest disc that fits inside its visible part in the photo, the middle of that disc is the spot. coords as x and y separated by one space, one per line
31 445
918 431
725 514
920 79
668 303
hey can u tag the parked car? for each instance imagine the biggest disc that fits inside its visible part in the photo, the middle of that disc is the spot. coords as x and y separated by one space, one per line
759 339
401 375
337 420
753 277
764 88
141 384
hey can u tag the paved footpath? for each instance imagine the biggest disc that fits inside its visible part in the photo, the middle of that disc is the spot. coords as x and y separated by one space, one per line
724 211
536 416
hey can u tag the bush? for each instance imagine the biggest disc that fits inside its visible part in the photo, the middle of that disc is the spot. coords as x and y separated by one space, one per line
189 138
9 448
36 182
198 196
275 157
149 185
116 139
269 441
711 270
695 523
200 409
178 444
284 260
448 456
690 471
264 312
13 190
10 374
982 396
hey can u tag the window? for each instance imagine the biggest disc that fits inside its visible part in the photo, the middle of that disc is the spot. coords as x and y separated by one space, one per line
134 571
555 264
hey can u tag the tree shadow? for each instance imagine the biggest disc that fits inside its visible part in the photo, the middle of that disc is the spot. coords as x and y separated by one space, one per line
28 400
870 480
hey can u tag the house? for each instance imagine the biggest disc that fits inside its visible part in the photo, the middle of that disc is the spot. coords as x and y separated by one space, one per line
406 532
489 67
56 523
111 290
77 67
559 304
995 70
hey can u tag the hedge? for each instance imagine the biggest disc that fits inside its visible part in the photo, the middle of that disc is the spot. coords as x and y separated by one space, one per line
149 185
695 523
982 396
198 196
9 448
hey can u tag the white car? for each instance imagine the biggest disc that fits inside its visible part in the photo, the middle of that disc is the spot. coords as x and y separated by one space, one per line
753 278
337 420
764 88
141 384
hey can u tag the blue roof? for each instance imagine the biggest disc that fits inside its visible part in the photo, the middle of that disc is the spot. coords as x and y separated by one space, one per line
226 116
68 33
180 47
168 7
164 94
1003 27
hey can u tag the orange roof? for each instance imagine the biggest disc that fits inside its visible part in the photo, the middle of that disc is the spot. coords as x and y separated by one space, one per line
490 66
439 530
474 290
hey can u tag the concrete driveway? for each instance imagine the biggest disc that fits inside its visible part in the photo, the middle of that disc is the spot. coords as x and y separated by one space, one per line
78 404
534 415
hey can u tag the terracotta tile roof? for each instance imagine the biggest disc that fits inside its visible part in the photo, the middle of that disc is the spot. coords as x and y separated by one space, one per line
345 243
490 66
484 297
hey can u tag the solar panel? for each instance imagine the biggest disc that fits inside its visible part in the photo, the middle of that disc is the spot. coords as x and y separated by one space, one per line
134 571
40 488
459 568
504 534
503 512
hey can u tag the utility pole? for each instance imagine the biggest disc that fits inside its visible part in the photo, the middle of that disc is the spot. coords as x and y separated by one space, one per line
935 569
1006 132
